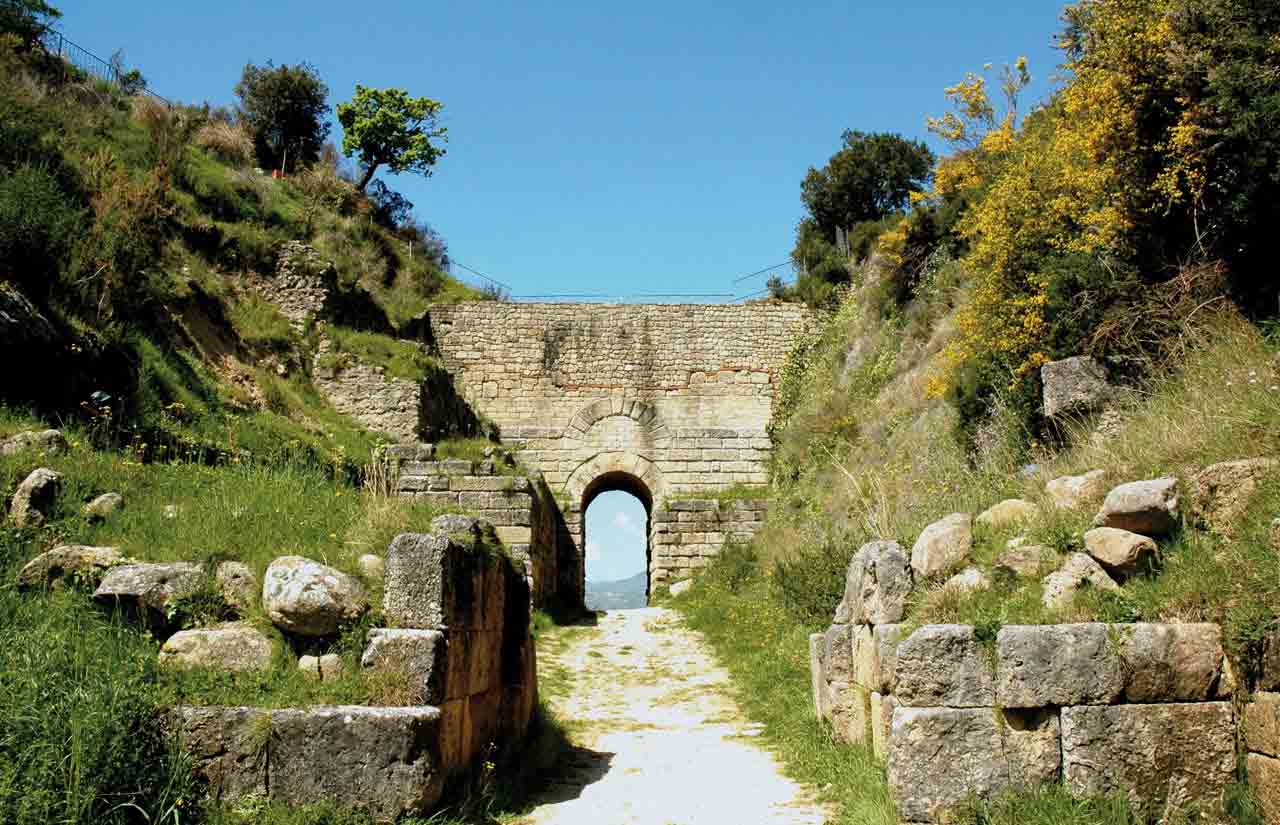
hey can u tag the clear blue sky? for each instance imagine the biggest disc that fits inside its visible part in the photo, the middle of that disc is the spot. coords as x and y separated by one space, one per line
603 146
616 539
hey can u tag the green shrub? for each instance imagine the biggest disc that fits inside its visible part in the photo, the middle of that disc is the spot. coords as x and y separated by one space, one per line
810 581
38 223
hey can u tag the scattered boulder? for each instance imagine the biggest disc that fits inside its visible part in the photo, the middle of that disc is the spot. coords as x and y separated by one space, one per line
238 647
371 567
1055 665
940 757
1074 386
1025 559
45 441
102 507
1073 492
1150 507
968 580
33 502
1078 572
238 585
309 598
876 586
681 587
1122 553
1220 493
69 563
942 545
1161 757
943 665
1009 512
149 590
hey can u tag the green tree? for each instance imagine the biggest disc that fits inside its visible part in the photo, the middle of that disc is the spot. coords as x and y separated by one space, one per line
26 18
386 127
284 108
866 180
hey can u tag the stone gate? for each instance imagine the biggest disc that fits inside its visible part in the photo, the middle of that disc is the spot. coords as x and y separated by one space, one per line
668 402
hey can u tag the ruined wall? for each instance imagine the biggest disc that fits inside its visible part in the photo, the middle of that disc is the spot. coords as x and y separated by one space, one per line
686 387
380 402
685 535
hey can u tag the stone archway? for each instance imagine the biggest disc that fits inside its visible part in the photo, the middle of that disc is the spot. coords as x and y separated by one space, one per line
602 473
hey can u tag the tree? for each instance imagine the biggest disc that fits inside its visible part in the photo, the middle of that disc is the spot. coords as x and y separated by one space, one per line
26 18
284 108
386 127
866 180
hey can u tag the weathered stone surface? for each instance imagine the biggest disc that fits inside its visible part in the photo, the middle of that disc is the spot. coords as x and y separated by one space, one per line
382 403
1219 494
238 647
309 666
1269 668
837 653
1007 513
102 507
886 638
227 746
69 563
1262 724
1061 664
309 598
34 499
149 589
681 587
1264 778
968 580
433 581
1077 572
1150 507
421 654
372 567
817 678
1076 492
331 666
877 584
939 757
1164 757
238 585
942 545
882 708
866 657
1121 553
1026 559
382 760
943 665
44 441
1074 386
1170 662
849 709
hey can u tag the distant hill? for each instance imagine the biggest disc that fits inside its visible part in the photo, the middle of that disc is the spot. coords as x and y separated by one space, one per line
624 594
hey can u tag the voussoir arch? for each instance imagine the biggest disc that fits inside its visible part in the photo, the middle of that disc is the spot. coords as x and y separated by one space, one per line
641 412
615 463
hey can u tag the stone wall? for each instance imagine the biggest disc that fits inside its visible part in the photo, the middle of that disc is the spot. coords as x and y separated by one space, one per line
302 285
685 535
377 401
686 388
521 509
1142 710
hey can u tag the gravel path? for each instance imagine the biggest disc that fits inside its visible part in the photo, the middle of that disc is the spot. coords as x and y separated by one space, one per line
658 739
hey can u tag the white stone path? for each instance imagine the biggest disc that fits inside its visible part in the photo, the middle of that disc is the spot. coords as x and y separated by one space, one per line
659 740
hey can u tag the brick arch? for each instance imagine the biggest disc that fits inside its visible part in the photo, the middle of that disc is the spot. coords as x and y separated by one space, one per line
641 412
614 464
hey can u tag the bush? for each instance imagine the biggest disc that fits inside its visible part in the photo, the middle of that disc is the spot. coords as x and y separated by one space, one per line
227 142
38 222
810 581
284 109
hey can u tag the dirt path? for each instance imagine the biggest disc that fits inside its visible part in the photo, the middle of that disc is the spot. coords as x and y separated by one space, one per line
659 741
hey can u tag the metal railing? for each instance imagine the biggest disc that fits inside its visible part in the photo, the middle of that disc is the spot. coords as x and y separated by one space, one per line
59 45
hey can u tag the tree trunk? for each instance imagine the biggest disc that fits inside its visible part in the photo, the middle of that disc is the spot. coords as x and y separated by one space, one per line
368 176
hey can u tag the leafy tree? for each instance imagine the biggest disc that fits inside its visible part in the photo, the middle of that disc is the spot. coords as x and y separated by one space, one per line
866 180
27 19
386 127
284 108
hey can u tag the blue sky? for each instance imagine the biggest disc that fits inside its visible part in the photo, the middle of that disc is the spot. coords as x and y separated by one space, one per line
603 147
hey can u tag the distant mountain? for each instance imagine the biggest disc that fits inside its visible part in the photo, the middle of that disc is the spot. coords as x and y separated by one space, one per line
624 594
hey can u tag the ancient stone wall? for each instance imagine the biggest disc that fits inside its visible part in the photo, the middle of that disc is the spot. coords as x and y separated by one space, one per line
685 535
380 402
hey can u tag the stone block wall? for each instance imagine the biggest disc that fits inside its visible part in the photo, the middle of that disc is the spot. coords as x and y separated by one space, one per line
687 388
380 402
685 535
1142 710
522 510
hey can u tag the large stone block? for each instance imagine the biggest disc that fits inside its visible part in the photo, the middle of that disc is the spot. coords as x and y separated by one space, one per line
943 665
882 708
1074 386
939 757
1076 573
34 499
1053 665
69 563
837 653
385 761
817 677
1163 757
434 581
228 747
1262 724
1264 778
942 545
237 647
849 707
149 590
1007 513
877 584
886 637
1170 662
422 655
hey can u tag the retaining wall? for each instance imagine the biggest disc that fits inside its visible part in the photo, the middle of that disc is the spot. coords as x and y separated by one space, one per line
685 535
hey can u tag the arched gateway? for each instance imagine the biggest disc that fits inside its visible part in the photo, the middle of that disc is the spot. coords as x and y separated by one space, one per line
668 402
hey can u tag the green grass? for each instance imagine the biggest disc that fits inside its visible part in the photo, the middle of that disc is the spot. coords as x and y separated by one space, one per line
738 491
401 359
